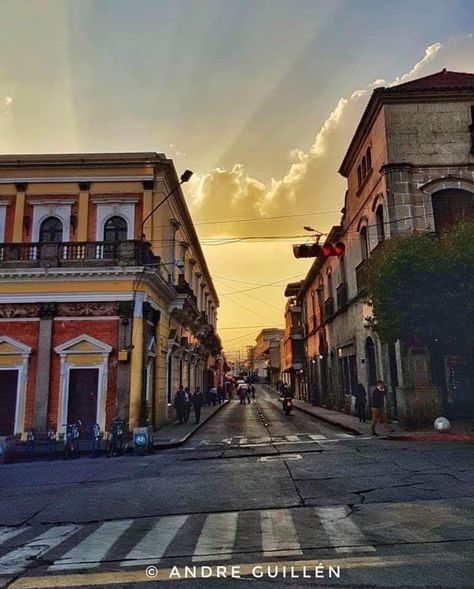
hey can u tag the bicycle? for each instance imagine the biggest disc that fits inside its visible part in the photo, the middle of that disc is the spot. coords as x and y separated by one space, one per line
116 443
71 439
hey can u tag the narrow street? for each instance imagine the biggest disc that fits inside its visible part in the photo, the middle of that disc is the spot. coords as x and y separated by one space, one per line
251 488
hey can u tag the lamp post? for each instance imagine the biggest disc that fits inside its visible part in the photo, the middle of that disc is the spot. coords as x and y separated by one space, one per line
185 177
142 434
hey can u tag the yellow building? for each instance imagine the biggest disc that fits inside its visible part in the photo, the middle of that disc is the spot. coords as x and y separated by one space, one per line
105 308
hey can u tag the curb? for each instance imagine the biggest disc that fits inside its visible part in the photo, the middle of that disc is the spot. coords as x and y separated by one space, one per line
432 437
184 439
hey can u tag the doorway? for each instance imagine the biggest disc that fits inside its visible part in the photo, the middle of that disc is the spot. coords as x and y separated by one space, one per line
8 401
82 396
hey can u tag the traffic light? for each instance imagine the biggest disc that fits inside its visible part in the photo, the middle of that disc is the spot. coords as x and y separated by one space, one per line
315 250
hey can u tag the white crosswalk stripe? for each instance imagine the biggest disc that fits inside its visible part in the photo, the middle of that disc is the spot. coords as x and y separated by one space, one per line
154 544
17 560
217 538
7 533
94 548
341 530
279 536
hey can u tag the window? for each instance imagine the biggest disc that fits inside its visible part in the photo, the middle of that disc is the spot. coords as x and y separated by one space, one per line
368 157
379 224
51 230
359 176
116 229
364 167
364 244
450 206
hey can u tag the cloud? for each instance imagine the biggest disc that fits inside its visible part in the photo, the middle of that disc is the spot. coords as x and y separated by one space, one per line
311 182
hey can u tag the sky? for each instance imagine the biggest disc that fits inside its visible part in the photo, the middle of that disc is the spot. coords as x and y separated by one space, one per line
259 98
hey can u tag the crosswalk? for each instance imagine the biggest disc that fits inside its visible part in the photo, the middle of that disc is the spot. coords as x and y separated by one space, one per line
207 538
249 442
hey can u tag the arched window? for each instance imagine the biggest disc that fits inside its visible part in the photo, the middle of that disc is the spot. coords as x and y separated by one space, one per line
450 206
370 362
51 230
359 176
116 229
368 157
379 224
364 244
364 167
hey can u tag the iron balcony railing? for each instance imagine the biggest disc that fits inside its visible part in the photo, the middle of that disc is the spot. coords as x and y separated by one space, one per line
361 277
77 253
328 308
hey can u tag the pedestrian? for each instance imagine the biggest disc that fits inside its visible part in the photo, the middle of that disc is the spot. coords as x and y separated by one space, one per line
180 404
361 401
220 394
187 405
377 405
252 388
213 395
248 393
198 400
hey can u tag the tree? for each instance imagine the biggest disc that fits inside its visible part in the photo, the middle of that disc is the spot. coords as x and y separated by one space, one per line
422 286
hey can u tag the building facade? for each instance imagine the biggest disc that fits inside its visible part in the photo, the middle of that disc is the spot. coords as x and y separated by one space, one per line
266 356
101 315
292 362
409 168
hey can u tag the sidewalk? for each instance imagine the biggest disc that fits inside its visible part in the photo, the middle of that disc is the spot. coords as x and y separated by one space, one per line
460 431
172 435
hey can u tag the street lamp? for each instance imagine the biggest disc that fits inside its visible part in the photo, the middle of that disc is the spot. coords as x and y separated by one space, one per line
185 177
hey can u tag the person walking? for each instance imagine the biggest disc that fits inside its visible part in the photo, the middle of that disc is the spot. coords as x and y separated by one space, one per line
361 402
252 388
180 404
377 405
198 401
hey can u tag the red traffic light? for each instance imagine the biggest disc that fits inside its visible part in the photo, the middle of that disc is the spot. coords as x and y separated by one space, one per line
314 250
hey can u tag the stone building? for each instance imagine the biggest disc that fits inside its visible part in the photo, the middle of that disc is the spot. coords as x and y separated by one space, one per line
409 167
97 318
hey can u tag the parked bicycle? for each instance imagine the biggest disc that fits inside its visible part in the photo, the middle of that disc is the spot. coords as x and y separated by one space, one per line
71 439
117 443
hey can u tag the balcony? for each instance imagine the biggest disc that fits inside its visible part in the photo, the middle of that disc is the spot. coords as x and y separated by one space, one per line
76 254
328 308
361 277
183 288
341 295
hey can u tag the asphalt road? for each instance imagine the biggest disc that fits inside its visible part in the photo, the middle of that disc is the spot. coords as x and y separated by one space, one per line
253 489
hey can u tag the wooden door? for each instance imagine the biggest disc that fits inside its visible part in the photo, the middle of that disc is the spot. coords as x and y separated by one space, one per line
8 394
82 402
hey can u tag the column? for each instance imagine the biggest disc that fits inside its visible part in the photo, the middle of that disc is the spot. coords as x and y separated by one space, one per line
136 362
82 222
40 412
19 212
